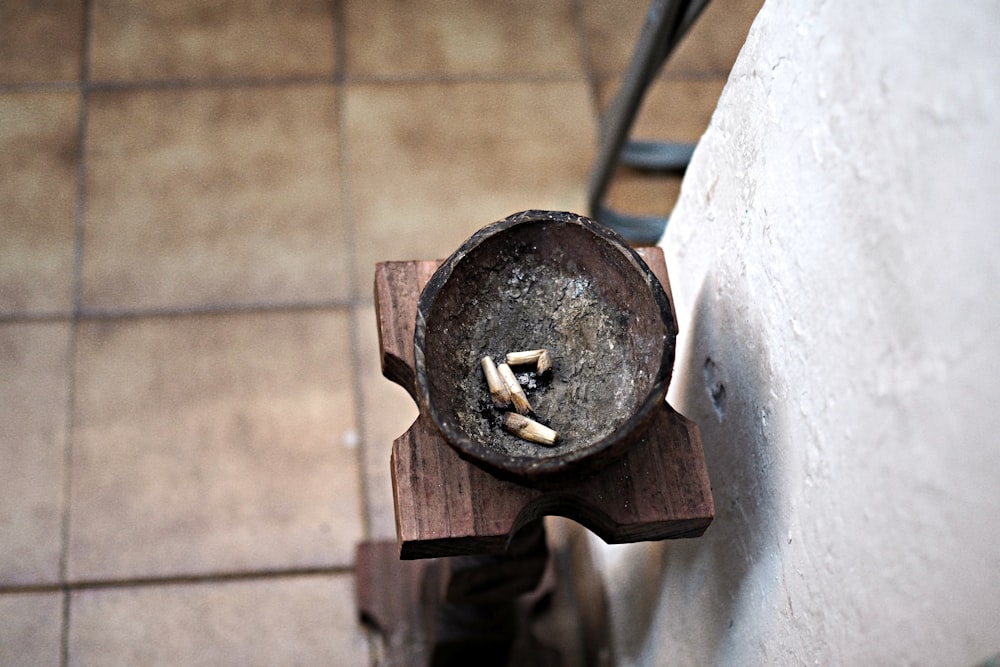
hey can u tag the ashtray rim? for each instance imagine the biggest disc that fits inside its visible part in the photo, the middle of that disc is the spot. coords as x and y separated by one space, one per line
600 451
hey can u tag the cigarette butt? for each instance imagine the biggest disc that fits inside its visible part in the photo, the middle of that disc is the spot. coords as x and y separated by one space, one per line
544 363
541 359
498 388
523 357
517 396
529 429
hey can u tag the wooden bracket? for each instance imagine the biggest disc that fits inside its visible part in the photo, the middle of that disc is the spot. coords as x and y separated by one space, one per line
447 506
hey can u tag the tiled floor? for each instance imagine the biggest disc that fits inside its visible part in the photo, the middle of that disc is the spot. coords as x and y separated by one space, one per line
194 431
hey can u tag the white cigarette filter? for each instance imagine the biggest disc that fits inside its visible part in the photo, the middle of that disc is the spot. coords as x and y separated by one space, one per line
540 358
544 363
497 385
529 429
523 357
517 396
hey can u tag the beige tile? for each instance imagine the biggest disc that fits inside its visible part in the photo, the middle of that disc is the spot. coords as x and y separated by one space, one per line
208 444
612 28
644 194
213 196
40 41
480 37
673 109
285 621
710 46
429 164
187 39
30 628
38 160
388 413
34 393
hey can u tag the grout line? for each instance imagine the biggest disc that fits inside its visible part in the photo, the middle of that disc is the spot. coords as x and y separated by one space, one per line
178 580
78 235
604 76
586 55
339 41
350 237
221 309
28 317
359 424
165 84
41 87
84 313
67 492
339 77
202 84
340 46
593 83
456 78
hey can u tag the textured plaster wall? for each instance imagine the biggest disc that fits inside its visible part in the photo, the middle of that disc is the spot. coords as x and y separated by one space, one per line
835 259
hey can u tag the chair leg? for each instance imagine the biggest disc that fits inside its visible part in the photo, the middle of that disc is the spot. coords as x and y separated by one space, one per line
666 23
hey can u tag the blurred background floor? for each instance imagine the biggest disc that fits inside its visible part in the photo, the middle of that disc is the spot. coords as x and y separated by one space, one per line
194 431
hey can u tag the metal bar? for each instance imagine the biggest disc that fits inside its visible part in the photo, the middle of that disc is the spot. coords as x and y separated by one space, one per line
666 23
637 229
656 155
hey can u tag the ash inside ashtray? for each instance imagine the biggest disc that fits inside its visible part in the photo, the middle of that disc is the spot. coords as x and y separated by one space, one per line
594 384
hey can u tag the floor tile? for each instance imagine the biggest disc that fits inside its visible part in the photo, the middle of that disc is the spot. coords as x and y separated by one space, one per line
710 46
30 628
285 621
210 444
643 194
184 39
612 29
34 393
38 158
673 109
213 196
429 164
40 41
517 37
388 413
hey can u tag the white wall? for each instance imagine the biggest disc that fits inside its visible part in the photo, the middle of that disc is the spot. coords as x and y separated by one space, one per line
835 259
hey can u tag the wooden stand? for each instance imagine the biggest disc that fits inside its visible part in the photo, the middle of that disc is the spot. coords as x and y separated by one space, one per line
447 506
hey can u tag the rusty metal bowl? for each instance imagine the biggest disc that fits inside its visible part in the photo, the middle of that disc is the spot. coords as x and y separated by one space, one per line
559 281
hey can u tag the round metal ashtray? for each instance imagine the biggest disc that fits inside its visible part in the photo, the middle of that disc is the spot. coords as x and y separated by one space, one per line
561 282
